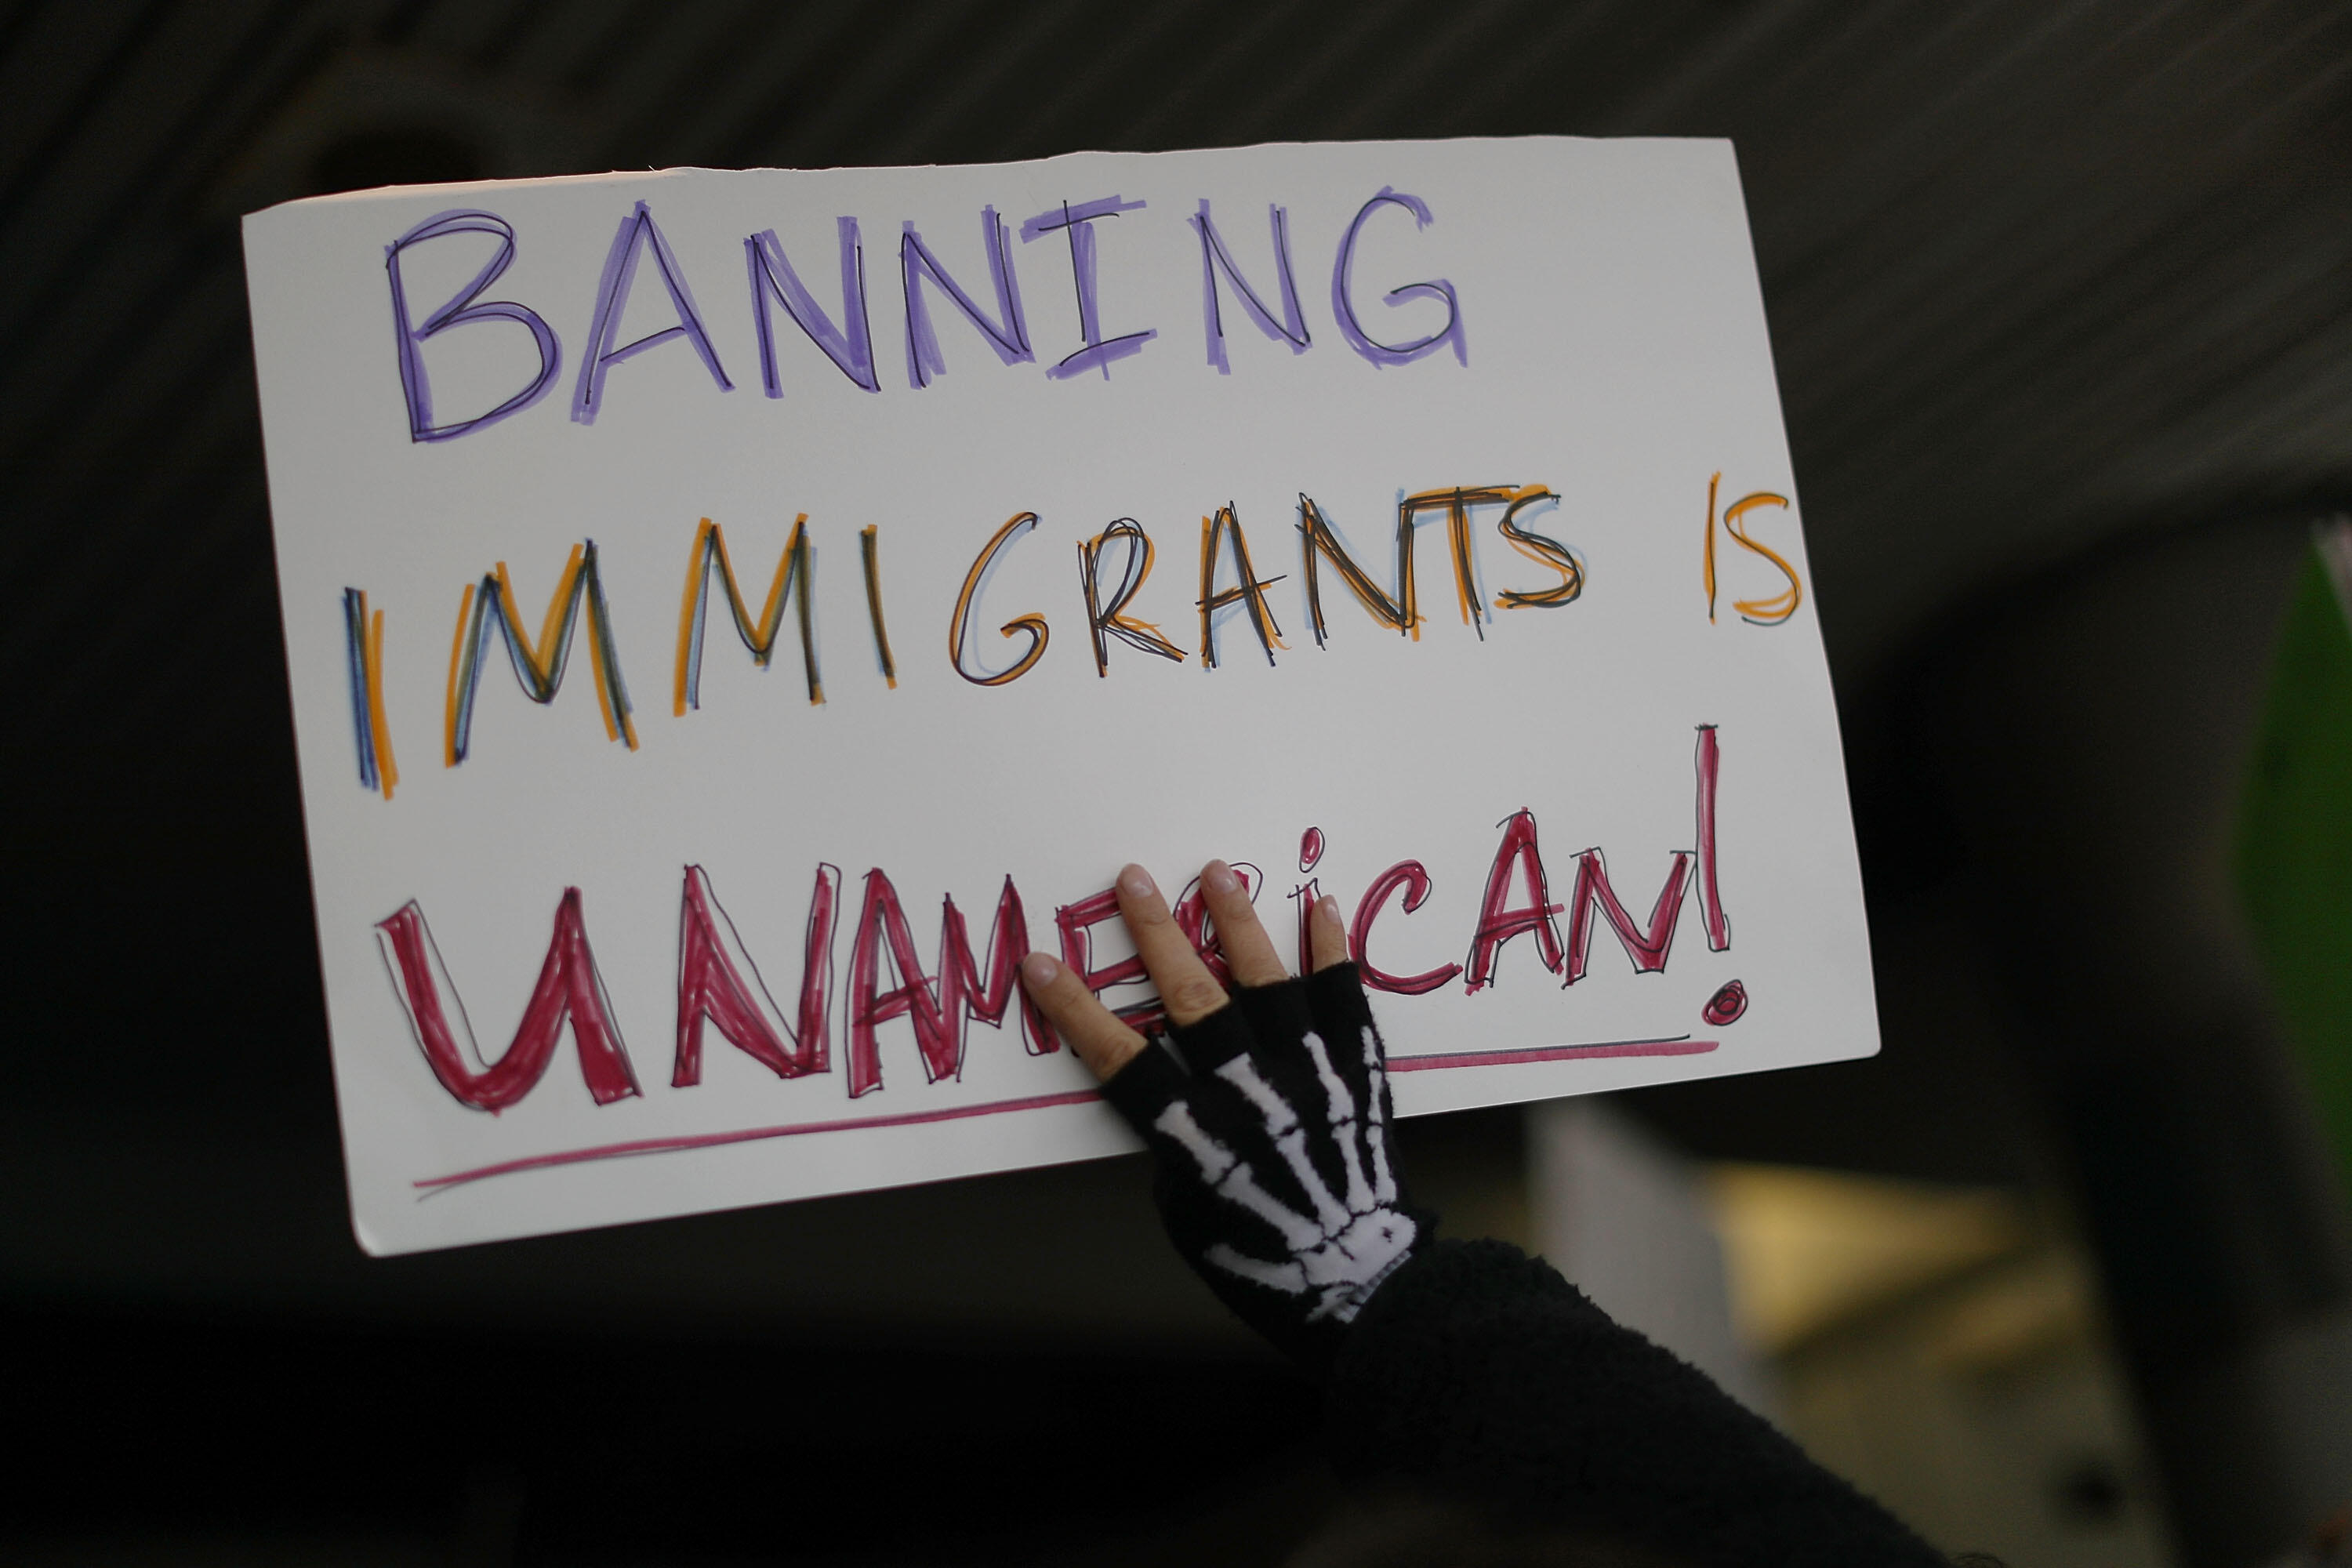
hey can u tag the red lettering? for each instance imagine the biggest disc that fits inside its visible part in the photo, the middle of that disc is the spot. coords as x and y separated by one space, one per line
1499 924
942 1011
965 993
569 991
1413 879
1710 899
1075 922
1647 948
718 982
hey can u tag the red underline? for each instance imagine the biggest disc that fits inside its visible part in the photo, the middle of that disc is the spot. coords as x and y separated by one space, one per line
1679 1046
748 1135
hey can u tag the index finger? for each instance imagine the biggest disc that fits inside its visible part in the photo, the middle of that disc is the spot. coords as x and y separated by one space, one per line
1186 988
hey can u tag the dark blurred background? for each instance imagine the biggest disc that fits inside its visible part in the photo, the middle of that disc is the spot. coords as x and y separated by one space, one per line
2060 298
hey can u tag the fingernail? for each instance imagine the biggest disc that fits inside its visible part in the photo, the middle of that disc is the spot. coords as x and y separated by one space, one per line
1328 906
1219 878
1136 882
1040 969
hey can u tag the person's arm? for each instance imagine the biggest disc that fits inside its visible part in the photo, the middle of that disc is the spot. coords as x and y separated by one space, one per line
1463 1370
1482 1375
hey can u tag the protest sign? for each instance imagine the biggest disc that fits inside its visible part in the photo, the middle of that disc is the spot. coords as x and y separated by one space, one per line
731 615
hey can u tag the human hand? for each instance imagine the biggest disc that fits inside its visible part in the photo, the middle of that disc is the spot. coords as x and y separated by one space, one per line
1268 1118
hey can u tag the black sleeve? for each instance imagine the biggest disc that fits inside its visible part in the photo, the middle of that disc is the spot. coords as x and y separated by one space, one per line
1479 1375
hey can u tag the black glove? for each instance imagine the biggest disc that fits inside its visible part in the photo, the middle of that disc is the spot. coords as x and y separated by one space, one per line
1276 1176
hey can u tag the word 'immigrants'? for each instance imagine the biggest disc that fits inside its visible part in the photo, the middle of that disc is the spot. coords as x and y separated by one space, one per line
1112 568
721 989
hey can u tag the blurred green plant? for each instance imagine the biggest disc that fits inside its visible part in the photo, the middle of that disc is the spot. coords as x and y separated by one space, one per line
2294 830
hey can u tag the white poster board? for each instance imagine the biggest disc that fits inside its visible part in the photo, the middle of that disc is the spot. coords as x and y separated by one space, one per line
632 893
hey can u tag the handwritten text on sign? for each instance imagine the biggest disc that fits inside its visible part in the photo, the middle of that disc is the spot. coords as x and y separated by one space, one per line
1525 381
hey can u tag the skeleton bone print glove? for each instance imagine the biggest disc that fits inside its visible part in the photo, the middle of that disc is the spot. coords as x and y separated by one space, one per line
1269 1125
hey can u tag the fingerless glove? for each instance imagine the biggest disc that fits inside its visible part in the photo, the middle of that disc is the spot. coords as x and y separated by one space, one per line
1269 1122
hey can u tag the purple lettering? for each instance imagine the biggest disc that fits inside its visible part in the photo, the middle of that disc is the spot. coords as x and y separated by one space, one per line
1009 335
1291 329
850 346
461 310
1077 222
636 233
1342 293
